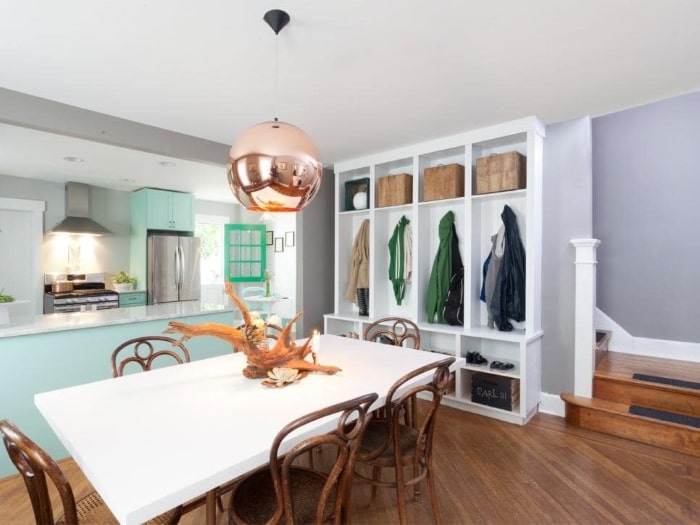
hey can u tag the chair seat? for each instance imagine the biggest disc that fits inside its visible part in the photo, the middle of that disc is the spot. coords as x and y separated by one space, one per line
376 437
254 501
92 510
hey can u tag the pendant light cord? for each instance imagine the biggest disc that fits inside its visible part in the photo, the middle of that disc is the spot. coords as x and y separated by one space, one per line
275 76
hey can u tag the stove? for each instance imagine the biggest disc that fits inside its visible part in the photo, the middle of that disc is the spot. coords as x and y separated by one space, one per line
89 293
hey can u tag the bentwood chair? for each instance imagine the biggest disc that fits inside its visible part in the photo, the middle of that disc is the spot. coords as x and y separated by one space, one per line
35 466
389 443
139 353
249 293
396 331
143 351
284 492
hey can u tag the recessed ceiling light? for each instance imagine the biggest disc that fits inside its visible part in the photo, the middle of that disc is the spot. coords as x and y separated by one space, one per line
73 159
167 163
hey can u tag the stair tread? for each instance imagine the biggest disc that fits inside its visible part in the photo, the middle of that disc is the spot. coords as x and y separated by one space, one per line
612 407
597 403
618 365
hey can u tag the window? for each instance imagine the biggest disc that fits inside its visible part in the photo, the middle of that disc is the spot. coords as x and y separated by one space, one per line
244 252
210 230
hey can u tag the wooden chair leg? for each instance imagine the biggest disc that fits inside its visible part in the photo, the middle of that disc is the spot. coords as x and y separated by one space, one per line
433 494
376 471
416 486
211 508
401 495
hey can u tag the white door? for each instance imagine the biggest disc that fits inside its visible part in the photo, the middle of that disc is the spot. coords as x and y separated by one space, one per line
20 254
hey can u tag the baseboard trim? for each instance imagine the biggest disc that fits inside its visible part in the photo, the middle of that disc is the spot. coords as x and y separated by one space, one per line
622 341
552 404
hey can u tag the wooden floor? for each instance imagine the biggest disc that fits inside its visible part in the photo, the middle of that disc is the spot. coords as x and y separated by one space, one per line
494 472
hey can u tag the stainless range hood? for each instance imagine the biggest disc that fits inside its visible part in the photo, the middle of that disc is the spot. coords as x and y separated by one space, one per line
77 211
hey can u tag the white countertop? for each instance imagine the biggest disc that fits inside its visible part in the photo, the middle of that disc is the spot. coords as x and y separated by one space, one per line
28 325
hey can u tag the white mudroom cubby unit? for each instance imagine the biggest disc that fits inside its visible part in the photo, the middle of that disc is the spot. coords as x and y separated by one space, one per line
477 218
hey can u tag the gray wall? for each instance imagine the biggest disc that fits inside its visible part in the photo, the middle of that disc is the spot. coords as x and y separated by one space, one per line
315 266
645 212
566 202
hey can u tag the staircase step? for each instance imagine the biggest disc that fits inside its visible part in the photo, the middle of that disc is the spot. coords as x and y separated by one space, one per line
613 418
613 381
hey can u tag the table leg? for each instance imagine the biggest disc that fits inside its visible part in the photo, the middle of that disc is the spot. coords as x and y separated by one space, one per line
211 507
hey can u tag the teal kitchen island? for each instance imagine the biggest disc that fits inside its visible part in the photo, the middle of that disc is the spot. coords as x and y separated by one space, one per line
47 352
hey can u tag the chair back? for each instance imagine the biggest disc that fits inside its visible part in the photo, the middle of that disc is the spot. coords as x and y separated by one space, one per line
399 402
344 442
249 293
35 465
143 351
396 331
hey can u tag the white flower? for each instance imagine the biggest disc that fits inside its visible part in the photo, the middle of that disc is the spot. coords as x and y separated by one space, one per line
280 375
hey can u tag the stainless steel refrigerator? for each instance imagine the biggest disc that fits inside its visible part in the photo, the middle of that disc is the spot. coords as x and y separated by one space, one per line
173 268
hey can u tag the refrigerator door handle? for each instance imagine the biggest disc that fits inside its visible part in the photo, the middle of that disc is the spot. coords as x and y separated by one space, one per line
182 266
178 269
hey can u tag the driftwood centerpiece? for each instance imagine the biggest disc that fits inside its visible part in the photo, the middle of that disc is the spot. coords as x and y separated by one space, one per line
251 339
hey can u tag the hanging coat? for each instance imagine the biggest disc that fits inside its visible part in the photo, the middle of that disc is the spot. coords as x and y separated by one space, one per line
453 310
400 258
498 246
439 282
509 292
359 265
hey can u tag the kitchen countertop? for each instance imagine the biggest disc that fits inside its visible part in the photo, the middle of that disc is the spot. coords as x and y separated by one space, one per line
28 325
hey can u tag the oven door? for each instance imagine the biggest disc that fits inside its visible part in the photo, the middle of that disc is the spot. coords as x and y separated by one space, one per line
88 303
65 308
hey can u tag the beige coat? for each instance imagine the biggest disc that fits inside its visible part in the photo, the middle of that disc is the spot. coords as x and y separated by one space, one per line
359 266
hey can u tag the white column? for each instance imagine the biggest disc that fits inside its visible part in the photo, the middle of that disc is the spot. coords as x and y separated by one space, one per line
584 331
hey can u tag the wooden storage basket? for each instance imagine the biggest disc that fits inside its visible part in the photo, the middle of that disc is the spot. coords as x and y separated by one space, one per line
395 190
445 181
500 172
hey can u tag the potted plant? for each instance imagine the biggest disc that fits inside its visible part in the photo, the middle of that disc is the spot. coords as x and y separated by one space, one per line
4 301
4 298
123 281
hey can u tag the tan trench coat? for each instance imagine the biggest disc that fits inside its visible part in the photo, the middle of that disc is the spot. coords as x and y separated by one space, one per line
359 266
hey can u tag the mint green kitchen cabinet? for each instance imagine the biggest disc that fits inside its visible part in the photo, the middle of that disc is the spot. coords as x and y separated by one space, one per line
127 299
163 210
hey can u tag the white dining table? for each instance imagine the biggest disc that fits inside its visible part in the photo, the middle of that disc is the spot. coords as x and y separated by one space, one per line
151 441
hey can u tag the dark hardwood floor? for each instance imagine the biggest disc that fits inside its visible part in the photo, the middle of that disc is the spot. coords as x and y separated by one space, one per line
494 472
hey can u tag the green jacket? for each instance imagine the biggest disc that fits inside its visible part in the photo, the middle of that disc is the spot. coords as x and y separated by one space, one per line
439 282
400 250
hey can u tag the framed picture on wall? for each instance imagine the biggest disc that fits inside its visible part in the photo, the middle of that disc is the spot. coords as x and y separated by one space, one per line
289 239
268 237
279 244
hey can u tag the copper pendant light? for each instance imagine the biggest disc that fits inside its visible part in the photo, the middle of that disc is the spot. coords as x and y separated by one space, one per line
274 166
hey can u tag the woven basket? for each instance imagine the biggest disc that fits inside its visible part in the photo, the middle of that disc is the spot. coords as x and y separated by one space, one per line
395 190
500 172
445 181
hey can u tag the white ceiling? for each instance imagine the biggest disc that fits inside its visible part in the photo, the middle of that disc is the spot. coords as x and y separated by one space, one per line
358 76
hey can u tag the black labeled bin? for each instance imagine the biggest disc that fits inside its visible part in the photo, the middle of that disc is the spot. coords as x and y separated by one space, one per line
495 391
